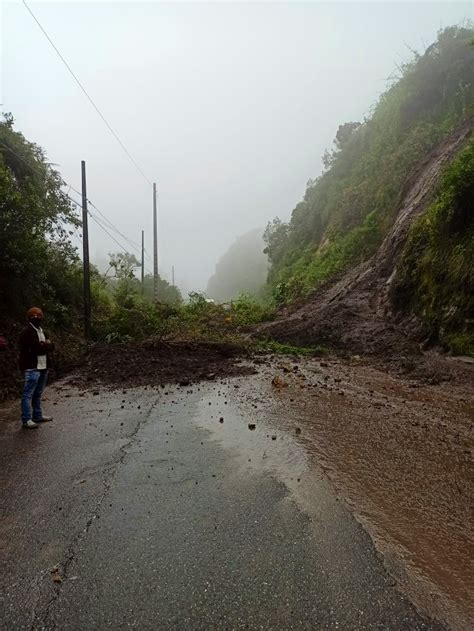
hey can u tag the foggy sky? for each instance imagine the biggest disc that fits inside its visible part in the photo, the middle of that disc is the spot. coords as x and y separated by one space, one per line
227 106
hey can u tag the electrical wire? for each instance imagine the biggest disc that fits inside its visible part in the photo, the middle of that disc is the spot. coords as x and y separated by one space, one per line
100 224
147 255
108 223
131 242
97 221
113 132
113 227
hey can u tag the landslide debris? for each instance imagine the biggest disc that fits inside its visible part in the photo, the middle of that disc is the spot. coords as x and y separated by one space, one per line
355 313
151 363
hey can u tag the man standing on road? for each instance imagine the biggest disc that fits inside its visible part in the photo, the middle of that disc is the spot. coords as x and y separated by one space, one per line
34 362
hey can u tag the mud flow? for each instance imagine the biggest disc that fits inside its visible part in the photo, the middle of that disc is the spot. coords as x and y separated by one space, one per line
400 453
337 434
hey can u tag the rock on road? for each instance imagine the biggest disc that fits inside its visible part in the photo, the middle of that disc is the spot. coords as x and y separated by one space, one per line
157 508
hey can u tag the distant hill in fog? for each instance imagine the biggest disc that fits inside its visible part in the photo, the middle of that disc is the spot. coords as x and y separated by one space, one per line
242 269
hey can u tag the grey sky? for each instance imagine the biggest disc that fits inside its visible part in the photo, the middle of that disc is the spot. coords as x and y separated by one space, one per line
227 106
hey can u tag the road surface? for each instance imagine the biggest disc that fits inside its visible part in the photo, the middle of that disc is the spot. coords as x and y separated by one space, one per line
158 508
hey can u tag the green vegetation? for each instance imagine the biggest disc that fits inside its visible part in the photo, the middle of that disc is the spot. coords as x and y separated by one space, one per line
342 219
136 317
346 212
435 277
124 308
288 349
38 265
37 261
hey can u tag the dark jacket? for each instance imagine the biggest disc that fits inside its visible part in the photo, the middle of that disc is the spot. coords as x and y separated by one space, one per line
31 347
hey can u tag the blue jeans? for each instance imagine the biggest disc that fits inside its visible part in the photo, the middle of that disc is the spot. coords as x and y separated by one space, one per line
35 382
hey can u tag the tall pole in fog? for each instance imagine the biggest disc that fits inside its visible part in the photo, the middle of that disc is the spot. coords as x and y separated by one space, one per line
172 275
85 257
155 245
143 258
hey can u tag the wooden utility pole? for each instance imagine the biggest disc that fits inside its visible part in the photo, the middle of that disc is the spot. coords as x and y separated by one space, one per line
172 275
85 252
143 258
155 245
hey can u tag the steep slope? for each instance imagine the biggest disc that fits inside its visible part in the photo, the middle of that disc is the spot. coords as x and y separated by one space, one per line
357 311
382 243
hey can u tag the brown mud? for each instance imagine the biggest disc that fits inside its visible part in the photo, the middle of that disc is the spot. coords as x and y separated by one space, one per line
150 362
400 454
397 450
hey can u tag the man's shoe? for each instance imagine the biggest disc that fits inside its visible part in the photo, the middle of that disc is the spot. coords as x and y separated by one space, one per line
44 419
30 424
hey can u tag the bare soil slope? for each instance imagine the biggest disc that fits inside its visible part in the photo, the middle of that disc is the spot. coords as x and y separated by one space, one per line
355 312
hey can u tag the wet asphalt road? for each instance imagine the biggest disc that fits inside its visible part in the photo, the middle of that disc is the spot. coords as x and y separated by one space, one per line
156 515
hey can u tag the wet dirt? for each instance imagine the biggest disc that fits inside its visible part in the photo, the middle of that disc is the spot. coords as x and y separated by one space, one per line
397 451
157 362
400 453
161 509
356 311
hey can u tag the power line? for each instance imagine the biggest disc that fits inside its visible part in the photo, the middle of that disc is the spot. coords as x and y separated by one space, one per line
127 239
110 225
98 222
73 201
107 232
113 132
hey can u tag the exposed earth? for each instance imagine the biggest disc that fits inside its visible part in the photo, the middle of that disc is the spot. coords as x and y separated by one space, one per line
357 311
153 505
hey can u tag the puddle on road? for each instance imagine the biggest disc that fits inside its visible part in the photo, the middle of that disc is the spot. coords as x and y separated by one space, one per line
417 547
267 450
262 449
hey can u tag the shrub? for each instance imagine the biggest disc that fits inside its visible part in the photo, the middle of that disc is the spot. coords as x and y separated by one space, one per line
435 277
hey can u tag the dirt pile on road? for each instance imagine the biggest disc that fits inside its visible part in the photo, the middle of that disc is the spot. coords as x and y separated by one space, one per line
356 312
151 362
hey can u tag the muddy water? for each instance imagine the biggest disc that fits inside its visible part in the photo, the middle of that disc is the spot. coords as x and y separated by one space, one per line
401 456
262 449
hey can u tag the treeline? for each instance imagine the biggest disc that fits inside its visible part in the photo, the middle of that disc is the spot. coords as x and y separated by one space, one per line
39 265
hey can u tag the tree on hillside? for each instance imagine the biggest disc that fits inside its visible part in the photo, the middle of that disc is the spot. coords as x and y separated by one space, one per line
346 211
37 261
124 283
275 239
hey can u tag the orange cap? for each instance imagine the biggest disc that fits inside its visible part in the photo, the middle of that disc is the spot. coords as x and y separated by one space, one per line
34 312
